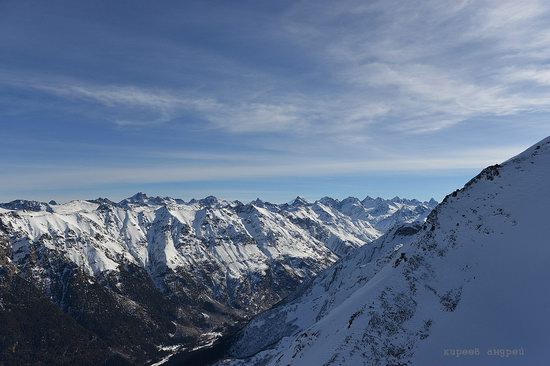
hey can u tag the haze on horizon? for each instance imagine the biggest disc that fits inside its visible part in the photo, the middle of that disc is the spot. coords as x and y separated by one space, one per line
270 100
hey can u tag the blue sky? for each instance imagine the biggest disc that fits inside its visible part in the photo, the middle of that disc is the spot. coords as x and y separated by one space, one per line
270 99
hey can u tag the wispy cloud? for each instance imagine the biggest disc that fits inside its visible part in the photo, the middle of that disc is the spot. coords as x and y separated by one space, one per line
415 67
131 106
434 61
34 177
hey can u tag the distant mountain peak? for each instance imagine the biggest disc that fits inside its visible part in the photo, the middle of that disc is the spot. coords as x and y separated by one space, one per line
348 200
26 205
140 196
328 201
102 201
299 201
258 202
209 201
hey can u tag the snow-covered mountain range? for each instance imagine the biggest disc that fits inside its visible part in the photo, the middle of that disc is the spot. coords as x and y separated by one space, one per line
467 287
149 274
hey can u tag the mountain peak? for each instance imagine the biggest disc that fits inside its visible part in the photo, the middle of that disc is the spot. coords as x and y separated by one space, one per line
140 196
328 201
257 202
209 201
102 201
350 200
299 201
26 205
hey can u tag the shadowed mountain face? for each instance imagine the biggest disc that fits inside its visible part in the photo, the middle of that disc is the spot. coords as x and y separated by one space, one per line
141 278
471 277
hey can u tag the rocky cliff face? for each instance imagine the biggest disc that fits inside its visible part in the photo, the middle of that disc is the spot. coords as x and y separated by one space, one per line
149 275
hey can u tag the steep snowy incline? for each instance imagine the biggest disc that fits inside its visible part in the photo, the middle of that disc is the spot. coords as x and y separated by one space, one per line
473 277
316 299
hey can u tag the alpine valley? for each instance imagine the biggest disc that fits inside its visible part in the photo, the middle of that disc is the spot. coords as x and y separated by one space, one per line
95 282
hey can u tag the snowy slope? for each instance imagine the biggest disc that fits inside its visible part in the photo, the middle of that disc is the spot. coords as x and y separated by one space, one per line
471 278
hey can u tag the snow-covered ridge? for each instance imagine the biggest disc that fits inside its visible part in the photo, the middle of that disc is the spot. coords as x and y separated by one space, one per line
215 239
471 277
